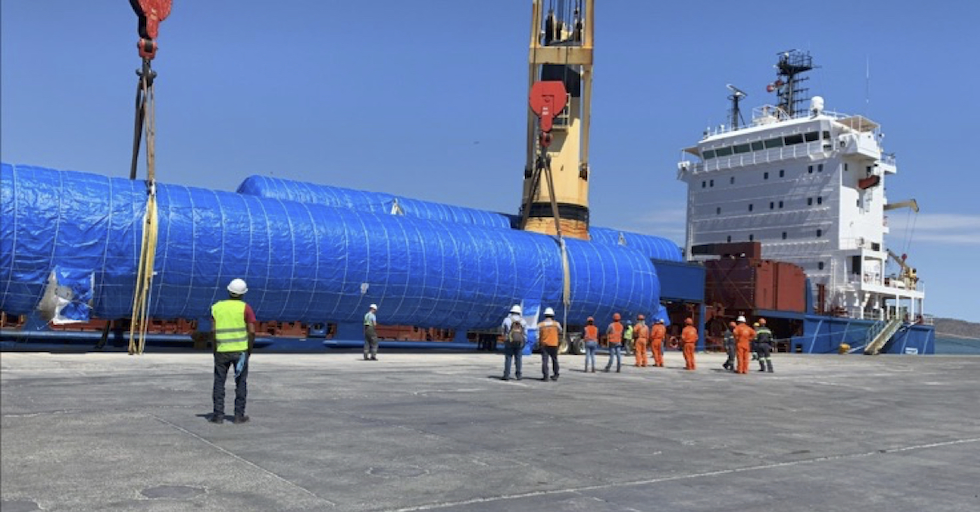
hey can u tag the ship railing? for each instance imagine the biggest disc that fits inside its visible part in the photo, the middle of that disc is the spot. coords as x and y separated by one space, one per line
769 114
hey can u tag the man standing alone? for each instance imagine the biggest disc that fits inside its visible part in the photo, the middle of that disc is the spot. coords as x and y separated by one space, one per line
370 333
233 324
549 331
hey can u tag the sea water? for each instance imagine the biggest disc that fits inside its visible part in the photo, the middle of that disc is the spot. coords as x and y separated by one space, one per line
969 346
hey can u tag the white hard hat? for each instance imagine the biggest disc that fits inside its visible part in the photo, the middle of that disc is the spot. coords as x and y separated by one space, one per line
740 319
516 309
660 320
237 286
549 312
374 307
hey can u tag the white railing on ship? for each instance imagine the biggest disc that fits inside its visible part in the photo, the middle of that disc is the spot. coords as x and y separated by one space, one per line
770 114
759 157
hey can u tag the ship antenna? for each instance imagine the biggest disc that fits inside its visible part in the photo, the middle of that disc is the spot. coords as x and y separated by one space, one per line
789 70
735 113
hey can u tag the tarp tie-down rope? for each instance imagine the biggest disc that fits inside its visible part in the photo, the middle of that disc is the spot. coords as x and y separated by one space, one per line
145 120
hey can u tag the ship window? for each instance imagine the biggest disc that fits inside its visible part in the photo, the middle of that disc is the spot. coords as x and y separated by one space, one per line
711 183
875 246
731 180
772 205
784 235
845 166
765 175
809 201
751 237
757 145
774 143
750 207
782 173
729 238
708 155
725 151
820 200
780 204
826 135
794 139
819 233
809 169
820 266
742 148
812 136
704 184
819 167
718 211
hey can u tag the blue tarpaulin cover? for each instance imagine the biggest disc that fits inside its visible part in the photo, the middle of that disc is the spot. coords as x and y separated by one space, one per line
279 188
302 262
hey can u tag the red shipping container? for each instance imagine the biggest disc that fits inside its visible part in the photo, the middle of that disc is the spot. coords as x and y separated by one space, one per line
790 288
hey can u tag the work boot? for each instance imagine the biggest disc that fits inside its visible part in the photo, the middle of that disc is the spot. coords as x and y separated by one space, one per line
769 364
239 419
217 419
554 377
593 369
374 358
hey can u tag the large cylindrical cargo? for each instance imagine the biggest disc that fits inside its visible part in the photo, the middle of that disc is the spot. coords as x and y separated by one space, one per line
302 262
378 202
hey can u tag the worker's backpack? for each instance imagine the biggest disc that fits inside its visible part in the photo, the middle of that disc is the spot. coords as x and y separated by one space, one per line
516 335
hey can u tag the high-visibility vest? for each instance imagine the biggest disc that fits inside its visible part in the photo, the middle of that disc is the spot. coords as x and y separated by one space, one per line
615 334
591 333
548 331
230 331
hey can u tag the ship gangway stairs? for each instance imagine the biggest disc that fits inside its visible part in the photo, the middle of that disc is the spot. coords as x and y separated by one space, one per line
878 341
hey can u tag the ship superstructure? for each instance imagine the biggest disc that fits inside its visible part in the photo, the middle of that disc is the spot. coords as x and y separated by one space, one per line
809 186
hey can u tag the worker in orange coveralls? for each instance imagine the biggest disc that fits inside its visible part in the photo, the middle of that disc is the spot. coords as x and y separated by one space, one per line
743 339
657 335
641 333
689 336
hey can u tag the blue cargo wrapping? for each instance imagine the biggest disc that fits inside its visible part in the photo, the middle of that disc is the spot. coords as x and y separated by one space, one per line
302 262
377 202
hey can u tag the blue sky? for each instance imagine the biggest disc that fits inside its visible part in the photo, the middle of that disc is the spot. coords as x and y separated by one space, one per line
428 100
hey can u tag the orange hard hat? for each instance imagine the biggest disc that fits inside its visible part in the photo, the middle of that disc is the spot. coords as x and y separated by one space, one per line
688 321
590 319
762 321
616 316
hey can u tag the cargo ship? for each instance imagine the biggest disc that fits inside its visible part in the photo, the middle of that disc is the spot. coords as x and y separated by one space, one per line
788 215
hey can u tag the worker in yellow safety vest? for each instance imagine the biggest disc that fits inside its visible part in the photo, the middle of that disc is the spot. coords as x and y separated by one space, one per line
233 325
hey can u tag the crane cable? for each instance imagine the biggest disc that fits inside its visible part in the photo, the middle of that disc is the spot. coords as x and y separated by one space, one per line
145 120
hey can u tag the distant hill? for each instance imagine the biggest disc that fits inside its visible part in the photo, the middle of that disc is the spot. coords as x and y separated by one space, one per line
953 328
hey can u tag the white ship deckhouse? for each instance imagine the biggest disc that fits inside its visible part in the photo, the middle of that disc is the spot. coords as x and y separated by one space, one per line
809 185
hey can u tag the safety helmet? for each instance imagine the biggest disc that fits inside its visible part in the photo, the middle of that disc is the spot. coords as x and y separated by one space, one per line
516 309
640 317
616 316
756 325
688 321
660 320
762 321
740 319
549 312
237 287
374 307
590 320
629 322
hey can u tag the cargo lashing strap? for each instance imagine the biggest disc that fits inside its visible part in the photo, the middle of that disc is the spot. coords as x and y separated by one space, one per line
150 14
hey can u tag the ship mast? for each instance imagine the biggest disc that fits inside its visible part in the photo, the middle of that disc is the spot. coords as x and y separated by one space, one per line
789 81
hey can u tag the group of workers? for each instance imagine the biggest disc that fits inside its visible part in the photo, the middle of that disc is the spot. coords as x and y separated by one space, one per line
233 324
740 339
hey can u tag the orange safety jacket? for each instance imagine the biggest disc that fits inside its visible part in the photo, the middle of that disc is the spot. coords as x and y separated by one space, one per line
689 334
658 333
743 335
591 333
614 335
641 332
548 333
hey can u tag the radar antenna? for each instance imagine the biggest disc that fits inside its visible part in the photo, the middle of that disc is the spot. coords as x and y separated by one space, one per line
735 113
789 82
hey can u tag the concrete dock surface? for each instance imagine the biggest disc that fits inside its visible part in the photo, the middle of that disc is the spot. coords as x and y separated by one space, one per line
439 431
